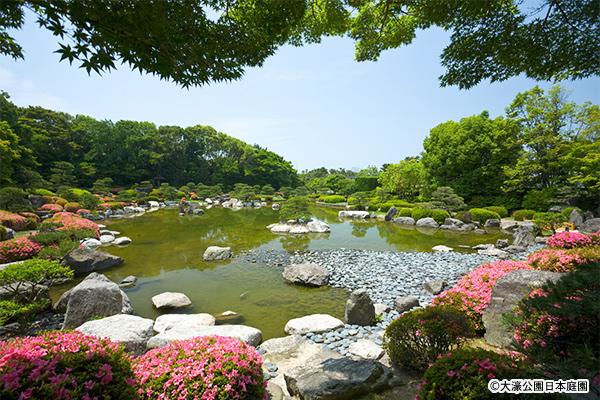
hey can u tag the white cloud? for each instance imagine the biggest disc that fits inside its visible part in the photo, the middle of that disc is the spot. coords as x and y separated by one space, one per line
25 92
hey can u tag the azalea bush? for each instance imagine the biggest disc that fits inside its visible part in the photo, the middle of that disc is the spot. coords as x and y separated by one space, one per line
558 326
415 339
559 260
13 221
32 220
473 293
65 365
464 374
69 222
210 368
569 240
51 207
18 249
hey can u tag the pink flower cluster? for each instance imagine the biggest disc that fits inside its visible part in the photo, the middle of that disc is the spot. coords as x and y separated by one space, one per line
473 292
69 221
569 240
13 221
559 260
51 207
61 365
18 249
204 368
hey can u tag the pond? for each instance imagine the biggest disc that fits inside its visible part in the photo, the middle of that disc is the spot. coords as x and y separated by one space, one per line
166 255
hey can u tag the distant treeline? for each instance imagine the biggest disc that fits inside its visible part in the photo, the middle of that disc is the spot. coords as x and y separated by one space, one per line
41 148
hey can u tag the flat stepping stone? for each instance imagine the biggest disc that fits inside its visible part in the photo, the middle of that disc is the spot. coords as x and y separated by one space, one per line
167 322
247 334
316 323
130 330
364 348
171 300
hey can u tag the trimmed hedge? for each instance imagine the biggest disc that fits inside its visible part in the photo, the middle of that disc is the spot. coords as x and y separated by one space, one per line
418 213
501 211
332 199
439 215
481 214
521 215
405 212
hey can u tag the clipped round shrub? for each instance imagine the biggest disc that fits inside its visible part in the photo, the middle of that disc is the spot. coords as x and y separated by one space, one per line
61 365
210 367
83 211
13 221
522 215
69 222
43 192
418 213
18 249
32 220
405 212
416 338
568 240
548 220
72 207
51 207
500 210
464 374
440 215
473 293
3 233
60 201
332 199
558 326
559 260
481 214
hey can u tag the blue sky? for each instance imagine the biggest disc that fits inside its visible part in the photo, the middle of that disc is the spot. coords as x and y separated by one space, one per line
313 105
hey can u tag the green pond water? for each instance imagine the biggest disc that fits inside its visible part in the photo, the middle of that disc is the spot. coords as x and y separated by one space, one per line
166 255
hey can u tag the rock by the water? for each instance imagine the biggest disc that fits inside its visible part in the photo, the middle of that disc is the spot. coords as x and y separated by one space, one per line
106 239
91 243
404 221
182 322
246 334
280 228
83 260
441 248
354 214
590 225
229 317
316 226
96 296
508 225
492 223
315 323
217 253
576 218
452 224
427 223
130 330
128 281
406 303
336 379
483 246
122 241
275 206
391 213
507 292
524 235
309 274
171 300
436 286
299 229
360 309
501 243
364 348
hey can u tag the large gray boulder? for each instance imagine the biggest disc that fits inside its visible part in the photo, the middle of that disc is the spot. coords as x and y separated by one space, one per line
452 224
391 213
130 330
506 294
309 274
524 235
590 225
316 226
427 223
246 334
354 214
316 323
337 379
360 309
576 218
84 260
213 253
96 296
404 221
492 223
